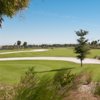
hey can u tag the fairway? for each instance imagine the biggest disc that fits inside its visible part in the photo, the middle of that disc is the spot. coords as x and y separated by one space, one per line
57 52
60 52
11 71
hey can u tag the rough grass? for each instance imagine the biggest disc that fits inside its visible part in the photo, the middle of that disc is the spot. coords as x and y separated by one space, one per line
11 71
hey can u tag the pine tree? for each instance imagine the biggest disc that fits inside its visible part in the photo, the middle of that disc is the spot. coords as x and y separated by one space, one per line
82 48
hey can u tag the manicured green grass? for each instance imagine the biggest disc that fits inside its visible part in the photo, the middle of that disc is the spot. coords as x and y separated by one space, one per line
13 50
59 52
51 52
94 52
11 71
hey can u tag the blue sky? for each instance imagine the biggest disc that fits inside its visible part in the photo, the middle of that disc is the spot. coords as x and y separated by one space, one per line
52 21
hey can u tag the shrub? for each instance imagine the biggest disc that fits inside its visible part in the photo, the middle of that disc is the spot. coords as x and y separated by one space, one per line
26 87
47 88
64 78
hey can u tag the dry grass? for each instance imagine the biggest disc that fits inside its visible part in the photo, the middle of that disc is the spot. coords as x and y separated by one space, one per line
83 89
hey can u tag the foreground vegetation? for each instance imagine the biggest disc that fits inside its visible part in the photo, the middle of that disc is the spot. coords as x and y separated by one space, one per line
64 85
45 88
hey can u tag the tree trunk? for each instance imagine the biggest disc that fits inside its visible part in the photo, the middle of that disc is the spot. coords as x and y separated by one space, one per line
81 63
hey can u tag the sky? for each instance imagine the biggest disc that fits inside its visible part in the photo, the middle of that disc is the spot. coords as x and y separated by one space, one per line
52 21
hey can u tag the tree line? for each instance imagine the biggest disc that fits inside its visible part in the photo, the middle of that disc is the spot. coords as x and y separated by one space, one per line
95 44
21 45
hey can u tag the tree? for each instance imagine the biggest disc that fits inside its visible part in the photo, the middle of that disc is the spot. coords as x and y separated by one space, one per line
18 43
82 48
25 44
95 44
11 7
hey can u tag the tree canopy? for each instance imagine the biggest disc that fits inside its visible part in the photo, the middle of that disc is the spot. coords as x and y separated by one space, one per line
11 7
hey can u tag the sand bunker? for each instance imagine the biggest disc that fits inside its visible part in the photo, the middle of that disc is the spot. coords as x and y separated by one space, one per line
35 50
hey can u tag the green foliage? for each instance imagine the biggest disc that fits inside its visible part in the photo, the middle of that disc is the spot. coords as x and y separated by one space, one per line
18 42
11 7
95 44
25 44
46 88
26 88
63 78
82 48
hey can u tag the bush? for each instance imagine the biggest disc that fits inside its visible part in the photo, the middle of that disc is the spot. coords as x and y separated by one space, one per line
64 78
33 88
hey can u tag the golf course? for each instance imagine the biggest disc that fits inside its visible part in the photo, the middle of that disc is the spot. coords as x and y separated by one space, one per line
12 70
49 49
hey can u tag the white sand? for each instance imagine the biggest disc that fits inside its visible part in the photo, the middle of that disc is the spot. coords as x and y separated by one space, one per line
35 50
70 59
